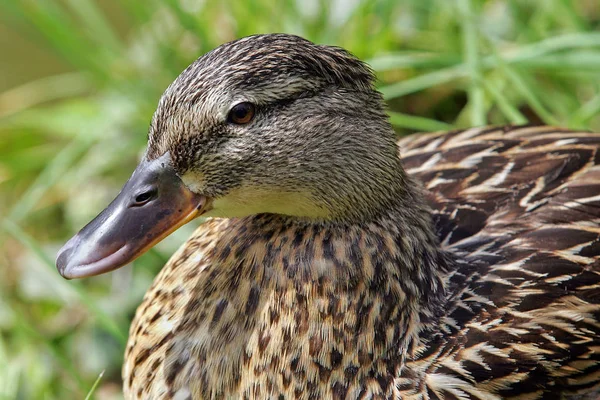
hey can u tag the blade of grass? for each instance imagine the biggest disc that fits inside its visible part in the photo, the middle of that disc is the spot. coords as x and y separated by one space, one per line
417 123
472 59
187 20
422 82
94 386
588 111
553 44
507 109
9 375
25 328
94 21
43 90
139 11
565 11
411 59
54 170
570 61
58 29
520 55
519 84
104 320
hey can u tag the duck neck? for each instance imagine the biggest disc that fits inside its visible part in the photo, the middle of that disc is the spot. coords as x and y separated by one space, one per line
284 302
393 258
389 251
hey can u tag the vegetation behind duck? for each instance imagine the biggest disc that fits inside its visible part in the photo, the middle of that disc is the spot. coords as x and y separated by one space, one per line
328 271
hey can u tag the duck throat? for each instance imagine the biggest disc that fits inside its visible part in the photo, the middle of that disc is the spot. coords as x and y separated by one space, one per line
277 307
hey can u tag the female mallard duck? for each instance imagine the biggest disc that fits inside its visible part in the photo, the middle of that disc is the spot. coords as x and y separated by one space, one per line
330 273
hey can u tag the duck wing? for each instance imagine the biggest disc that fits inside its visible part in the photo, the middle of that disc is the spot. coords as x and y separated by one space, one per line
520 208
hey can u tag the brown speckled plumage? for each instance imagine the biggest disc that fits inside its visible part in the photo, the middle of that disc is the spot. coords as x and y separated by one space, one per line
483 284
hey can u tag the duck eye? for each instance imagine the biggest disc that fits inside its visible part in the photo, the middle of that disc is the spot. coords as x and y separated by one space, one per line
241 113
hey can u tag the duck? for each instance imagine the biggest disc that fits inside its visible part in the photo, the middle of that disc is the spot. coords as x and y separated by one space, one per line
337 262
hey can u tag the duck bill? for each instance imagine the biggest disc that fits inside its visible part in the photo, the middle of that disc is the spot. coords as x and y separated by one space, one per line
153 203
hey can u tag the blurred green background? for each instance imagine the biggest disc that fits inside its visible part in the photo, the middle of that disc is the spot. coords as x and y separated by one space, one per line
79 81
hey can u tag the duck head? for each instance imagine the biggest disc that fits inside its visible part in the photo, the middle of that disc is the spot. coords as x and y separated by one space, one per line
265 124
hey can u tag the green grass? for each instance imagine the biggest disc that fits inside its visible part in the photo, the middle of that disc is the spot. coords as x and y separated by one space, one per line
69 140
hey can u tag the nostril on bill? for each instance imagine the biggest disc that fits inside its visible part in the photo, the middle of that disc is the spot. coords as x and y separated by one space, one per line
144 197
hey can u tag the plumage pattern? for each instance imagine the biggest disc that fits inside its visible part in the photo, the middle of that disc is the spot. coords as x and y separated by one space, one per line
521 208
508 306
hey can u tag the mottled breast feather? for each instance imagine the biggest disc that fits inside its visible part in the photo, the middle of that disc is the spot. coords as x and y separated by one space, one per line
520 206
